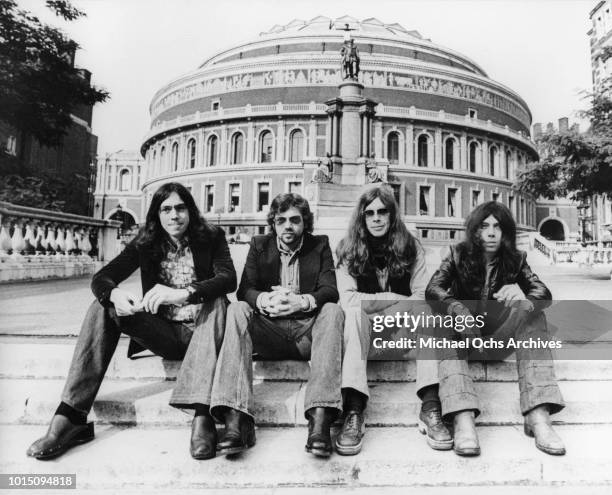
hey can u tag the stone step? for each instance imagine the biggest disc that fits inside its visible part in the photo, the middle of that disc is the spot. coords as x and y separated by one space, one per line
281 403
157 459
29 357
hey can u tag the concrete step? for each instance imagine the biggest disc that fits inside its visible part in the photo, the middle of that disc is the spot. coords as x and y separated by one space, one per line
281 403
29 357
147 459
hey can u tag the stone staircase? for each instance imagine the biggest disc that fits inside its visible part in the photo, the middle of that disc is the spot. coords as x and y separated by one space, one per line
142 443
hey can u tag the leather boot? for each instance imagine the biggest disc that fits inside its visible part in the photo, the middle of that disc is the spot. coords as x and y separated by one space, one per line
203 443
437 434
350 437
538 425
61 436
465 437
239 433
319 436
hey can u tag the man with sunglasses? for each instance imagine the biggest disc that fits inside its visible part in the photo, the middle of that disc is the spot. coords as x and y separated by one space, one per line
286 309
186 271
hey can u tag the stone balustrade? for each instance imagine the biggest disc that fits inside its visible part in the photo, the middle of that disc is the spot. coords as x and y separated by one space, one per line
37 244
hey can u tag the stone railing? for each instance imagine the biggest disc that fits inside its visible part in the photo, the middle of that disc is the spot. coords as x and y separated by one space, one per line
237 112
37 244
445 117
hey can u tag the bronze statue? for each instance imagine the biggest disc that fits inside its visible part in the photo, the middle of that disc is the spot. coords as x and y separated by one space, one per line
350 60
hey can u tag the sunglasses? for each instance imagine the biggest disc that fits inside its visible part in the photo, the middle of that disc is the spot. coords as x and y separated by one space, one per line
381 213
180 208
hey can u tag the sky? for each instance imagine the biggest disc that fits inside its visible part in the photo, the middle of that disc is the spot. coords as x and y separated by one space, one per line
538 48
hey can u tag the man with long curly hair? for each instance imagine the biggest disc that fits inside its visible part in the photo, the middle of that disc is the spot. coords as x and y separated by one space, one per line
286 309
487 275
186 271
380 267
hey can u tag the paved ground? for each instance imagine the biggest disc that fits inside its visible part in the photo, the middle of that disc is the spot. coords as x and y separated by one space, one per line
57 306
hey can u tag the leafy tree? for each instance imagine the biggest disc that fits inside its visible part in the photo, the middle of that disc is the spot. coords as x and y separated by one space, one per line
50 192
573 164
39 86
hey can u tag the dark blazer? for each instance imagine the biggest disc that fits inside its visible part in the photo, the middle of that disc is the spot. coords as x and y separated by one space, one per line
450 285
263 267
214 268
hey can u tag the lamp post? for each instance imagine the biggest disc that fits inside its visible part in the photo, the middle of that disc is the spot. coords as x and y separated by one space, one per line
119 214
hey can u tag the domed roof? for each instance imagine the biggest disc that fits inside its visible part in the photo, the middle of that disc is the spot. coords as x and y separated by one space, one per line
326 29
323 25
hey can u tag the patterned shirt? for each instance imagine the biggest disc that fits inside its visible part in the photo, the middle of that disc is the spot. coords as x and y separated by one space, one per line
177 270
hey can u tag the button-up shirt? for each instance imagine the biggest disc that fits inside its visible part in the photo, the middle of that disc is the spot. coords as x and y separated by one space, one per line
290 273
177 270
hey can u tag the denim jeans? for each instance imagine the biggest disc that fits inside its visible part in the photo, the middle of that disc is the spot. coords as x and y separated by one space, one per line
536 374
357 349
317 338
196 343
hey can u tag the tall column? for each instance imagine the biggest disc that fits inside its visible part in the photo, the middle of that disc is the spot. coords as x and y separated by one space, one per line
438 148
312 138
115 177
280 139
223 146
250 144
181 162
484 169
329 135
364 135
409 145
335 135
378 139
463 165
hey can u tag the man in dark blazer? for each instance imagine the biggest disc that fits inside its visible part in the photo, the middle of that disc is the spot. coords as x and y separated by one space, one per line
186 271
286 309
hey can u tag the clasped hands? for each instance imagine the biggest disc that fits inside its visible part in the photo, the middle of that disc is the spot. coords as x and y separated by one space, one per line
126 303
282 302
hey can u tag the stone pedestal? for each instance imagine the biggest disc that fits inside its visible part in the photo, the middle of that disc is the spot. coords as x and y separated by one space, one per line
349 136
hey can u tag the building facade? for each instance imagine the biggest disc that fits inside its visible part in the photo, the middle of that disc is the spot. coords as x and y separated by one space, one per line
601 38
74 158
598 213
254 120
118 194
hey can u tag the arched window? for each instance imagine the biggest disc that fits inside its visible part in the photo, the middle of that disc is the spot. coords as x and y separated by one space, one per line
175 156
449 153
266 148
508 160
162 159
191 146
125 180
154 162
393 147
422 150
211 158
296 146
492 159
473 151
237 148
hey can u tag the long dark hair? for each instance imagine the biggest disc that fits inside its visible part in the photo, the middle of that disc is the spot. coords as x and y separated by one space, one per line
283 201
151 236
471 259
400 248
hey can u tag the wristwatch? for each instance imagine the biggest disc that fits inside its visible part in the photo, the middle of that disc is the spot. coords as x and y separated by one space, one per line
305 303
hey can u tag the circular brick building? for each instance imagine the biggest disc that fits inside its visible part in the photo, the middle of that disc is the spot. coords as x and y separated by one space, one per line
256 119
